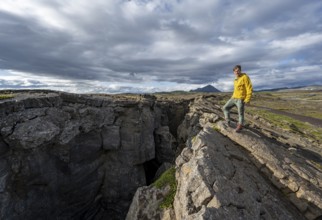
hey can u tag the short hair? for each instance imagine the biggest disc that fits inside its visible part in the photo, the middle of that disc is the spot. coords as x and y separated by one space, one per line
237 67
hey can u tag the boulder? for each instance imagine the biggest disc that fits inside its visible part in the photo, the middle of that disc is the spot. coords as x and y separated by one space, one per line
146 204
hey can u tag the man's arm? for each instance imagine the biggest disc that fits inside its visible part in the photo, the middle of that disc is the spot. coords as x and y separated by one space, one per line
249 89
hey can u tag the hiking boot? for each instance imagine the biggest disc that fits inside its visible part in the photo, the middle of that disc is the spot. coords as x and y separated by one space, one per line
238 128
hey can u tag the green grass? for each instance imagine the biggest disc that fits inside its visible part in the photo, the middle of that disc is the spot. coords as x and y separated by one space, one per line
6 96
283 109
167 178
314 114
222 102
289 124
305 103
214 127
194 138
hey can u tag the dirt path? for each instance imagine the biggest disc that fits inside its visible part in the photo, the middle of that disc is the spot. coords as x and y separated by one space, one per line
314 121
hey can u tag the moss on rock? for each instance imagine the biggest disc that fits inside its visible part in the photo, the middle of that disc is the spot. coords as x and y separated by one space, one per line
167 179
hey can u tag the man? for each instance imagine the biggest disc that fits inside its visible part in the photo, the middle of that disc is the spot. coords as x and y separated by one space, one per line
243 90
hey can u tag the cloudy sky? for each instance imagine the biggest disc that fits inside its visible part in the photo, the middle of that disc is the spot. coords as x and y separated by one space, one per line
158 45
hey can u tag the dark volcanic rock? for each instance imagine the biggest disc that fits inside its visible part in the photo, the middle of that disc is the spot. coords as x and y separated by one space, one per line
68 156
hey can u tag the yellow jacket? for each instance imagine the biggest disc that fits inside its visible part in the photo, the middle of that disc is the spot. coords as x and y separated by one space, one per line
243 88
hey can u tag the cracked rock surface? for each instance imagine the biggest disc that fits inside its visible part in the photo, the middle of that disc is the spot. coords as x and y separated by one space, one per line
222 174
219 181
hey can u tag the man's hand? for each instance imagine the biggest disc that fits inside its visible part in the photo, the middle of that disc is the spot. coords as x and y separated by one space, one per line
247 103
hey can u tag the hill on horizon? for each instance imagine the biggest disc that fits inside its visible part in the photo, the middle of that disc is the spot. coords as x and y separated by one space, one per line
208 88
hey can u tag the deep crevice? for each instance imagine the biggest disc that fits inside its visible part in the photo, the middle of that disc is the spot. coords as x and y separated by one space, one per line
57 167
150 168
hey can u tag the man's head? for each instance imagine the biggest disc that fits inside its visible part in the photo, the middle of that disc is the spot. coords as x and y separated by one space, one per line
237 70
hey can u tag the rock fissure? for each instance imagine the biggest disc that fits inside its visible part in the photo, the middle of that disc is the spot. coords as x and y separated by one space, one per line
191 206
9 130
234 171
232 205
82 157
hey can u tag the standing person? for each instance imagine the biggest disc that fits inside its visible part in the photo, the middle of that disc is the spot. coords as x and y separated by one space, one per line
243 90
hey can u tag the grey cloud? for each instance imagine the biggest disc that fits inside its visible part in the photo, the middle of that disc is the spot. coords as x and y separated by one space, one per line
109 42
19 84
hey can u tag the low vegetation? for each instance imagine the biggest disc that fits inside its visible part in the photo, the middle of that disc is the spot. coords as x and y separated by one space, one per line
307 103
289 124
297 102
167 178
6 96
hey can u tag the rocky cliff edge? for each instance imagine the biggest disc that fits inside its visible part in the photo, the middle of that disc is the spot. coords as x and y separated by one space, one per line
222 174
69 156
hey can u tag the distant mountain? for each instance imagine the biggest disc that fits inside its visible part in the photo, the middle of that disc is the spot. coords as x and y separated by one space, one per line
208 88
